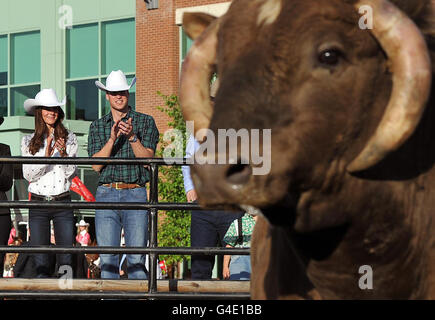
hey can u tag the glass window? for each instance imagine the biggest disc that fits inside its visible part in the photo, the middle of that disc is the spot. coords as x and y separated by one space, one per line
4 102
75 196
118 46
19 95
186 43
82 100
25 57
20 189
91 180
82 51
104 103
20 71
131 100
93 51
3 60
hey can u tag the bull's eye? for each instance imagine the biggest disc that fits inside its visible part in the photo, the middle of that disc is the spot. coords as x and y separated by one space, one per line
330 57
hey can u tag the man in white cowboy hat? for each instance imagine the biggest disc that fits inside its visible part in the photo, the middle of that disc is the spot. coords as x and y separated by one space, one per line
122 133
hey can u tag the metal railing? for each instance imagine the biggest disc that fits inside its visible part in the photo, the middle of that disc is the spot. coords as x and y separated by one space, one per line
153 206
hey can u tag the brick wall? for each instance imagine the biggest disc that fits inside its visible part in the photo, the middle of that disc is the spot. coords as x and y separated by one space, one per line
157 54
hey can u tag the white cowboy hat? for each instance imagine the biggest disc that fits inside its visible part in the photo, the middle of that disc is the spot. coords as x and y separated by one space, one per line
82 223
44 98
116 81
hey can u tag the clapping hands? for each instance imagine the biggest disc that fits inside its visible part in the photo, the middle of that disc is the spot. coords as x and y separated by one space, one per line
59 145
120 127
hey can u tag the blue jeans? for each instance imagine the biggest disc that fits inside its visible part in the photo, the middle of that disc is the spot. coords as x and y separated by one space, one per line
240 267
207 229
39 224
108 225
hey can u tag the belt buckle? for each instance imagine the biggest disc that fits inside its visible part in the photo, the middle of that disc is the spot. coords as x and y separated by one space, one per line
49 198
116 186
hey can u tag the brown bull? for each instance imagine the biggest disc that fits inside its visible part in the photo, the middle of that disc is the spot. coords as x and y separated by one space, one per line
351 187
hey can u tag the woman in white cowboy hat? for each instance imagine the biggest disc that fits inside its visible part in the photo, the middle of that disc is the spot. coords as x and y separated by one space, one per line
83 237
49 182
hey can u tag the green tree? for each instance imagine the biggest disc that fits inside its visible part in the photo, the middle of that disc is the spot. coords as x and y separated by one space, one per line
174 227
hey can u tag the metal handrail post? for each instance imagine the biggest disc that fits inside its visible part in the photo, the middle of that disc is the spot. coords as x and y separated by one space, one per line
153 250
154 172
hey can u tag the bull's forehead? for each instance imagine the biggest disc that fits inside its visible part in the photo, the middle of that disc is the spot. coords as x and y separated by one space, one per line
273 67
247 19
266 12
263 25
269 10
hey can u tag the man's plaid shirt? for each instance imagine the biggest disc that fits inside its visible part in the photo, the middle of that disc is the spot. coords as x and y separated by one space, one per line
99 133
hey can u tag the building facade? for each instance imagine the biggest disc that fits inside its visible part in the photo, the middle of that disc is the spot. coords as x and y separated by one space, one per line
68 44
161 46
65 45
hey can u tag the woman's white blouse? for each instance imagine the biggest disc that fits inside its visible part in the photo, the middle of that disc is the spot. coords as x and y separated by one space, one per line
49 179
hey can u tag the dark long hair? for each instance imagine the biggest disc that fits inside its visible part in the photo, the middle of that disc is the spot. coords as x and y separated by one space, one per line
41 130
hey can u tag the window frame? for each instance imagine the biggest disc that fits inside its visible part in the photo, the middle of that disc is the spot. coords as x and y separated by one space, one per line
100 77
9 86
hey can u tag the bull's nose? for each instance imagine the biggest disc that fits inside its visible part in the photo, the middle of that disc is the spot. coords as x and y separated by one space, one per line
217 184
238 174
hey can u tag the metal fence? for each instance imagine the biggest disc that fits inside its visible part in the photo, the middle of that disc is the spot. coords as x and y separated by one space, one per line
223 289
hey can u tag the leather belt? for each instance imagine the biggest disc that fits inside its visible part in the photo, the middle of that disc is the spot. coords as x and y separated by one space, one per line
122 185
59 197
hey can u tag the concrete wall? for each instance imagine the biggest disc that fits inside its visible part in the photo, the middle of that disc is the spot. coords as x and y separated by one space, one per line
158 52
51 17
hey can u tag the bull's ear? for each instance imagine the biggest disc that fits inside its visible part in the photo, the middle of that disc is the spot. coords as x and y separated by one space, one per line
194 23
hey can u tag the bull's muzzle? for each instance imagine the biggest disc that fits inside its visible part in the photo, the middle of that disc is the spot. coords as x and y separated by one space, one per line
218 183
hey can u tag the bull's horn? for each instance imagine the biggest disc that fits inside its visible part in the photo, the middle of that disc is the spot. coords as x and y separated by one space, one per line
411 67
196 72
194 23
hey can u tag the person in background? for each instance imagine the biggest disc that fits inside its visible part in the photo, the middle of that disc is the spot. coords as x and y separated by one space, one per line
207 227
12 235
238 267
6 175
83 237
25 265
11 259
48 182
123 272
122 133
